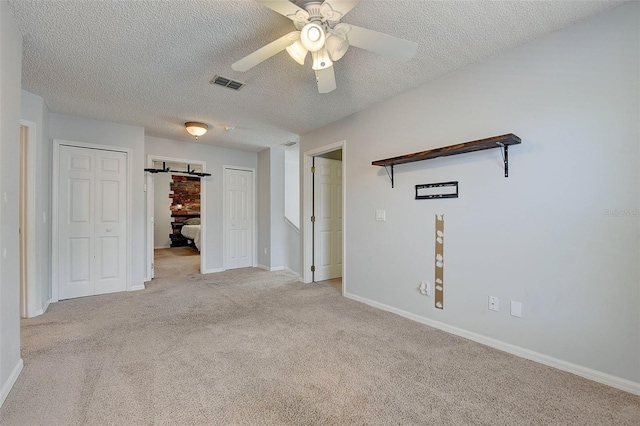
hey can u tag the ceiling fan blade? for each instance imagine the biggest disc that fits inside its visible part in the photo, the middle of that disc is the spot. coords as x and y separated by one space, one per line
285 8
380 43
264 53
334 10
326 79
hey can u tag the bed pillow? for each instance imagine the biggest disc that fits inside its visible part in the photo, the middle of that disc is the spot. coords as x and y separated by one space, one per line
192 221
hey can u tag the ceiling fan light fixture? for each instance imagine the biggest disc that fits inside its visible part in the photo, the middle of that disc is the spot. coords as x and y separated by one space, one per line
337 46
196 129
312 37
321 60
298 52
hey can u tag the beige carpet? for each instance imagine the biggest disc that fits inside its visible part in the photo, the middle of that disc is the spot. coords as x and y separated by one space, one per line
256 347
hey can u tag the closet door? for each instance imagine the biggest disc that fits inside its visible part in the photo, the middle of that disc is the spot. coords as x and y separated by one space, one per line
91 222
110 222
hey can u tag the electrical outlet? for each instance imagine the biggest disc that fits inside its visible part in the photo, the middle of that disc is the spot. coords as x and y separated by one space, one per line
494 303
516 309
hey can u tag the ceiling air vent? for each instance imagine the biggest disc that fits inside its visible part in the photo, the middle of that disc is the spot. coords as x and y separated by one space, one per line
289 144
227 82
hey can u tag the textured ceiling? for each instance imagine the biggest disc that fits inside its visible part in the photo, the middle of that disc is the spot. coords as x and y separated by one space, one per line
149 63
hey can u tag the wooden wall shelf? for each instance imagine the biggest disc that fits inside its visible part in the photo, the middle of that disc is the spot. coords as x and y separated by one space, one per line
502 142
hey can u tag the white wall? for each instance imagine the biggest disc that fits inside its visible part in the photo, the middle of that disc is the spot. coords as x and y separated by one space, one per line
10 81
162 210
35 110
280 239
215 158
80 129
292 248
544 236
292 185
264 208
277 209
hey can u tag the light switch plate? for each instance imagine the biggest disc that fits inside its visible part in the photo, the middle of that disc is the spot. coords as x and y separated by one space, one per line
516 309
381 215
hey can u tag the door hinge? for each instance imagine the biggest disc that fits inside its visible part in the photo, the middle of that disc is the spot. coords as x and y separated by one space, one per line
145 187
313 219
313 269
152 265
313 169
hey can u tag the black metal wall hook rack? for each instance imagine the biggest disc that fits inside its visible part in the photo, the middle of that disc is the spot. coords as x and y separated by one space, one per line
166 169
502 142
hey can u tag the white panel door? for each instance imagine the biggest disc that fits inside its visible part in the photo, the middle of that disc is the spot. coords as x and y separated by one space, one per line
110 222
91 222
327 235
239 218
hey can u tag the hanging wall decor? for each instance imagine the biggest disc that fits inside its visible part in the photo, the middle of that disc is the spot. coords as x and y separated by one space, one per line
439 279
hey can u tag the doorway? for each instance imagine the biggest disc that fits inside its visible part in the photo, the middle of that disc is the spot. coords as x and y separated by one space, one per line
327 216
176 215
333 247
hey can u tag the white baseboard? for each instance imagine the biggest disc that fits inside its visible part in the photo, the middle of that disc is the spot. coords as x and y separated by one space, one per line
213 271
161 247
271 268
587 373
6 388
44 309
137 287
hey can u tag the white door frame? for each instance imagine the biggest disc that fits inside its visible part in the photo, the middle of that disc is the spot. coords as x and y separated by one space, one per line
225 254
307 209
54 207
151 207
29 307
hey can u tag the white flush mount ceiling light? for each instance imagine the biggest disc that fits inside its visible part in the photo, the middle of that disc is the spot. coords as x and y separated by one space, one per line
319 30
196 129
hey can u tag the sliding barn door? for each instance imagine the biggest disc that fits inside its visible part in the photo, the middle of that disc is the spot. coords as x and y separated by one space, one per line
92 227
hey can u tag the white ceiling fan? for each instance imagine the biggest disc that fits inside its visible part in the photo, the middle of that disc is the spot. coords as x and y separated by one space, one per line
319 31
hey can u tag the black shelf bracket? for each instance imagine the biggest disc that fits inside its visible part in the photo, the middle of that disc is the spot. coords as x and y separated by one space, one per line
389 174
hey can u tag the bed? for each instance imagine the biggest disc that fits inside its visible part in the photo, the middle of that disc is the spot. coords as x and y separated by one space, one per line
192 232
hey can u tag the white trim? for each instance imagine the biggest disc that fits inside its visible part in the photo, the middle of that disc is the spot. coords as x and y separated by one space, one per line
44 309
254 262
587 373
149 219
160 248
10 381
271 268
55 174
305 219
213 271
137 287
30 217
151 207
